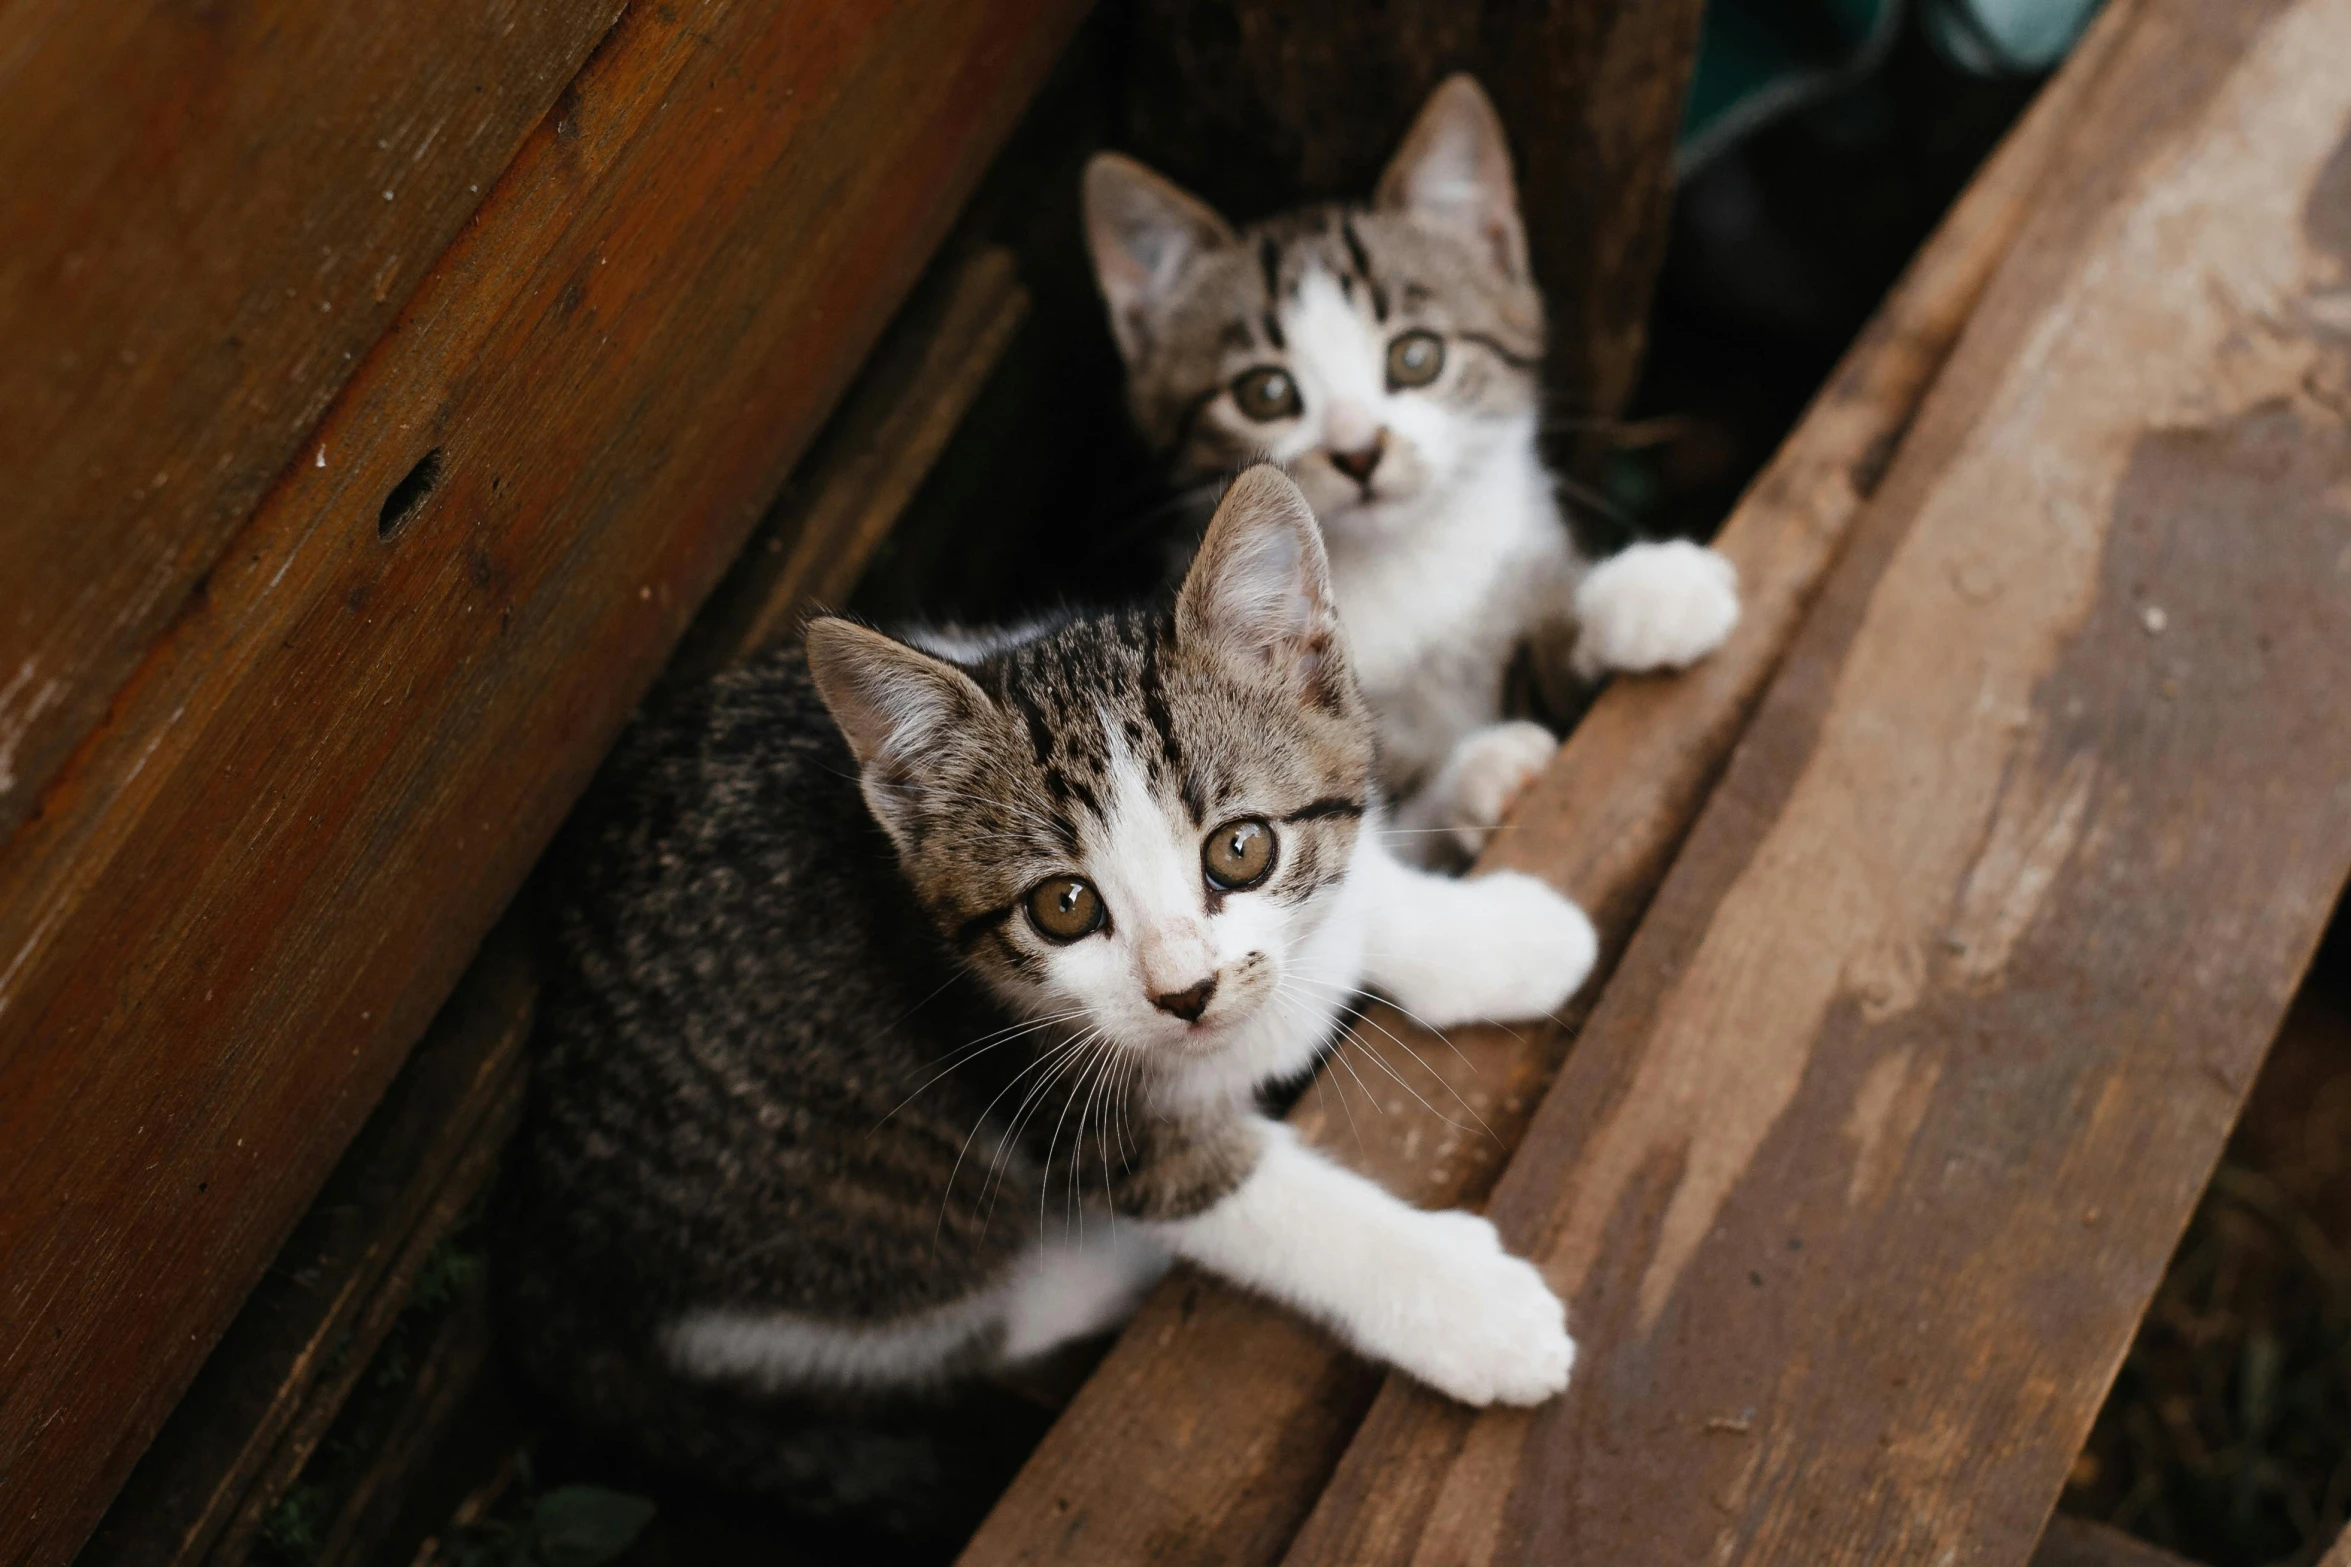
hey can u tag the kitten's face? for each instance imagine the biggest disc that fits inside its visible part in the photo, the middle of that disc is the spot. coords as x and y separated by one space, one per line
1131 824
1381 354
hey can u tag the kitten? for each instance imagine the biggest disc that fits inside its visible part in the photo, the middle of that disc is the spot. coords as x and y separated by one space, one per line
1386 355
881 1054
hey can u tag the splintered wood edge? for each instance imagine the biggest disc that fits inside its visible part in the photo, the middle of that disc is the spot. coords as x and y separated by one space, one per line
888 432
1603 823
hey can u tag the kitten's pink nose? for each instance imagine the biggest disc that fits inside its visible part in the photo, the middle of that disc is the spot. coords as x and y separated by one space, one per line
1188 1003
1358 465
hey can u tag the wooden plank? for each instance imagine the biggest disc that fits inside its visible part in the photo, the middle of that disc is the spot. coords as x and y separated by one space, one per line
246 895
263 1396
874 454
1259 103
1207 1432
212 213
1879 1140
2077 1542
282 1371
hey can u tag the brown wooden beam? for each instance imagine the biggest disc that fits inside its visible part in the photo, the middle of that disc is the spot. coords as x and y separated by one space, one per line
250 888
281 1374
1876 1147
1206 1434
212 213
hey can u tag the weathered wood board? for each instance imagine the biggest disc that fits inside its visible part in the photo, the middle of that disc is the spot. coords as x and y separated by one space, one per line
874 454
279 1376
1205 1435
249 889
1883 1132
211 214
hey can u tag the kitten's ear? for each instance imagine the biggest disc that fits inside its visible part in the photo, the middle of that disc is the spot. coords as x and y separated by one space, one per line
1142 231
1454 170
891 701
1259 592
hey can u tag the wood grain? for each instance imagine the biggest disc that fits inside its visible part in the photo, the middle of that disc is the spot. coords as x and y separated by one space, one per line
212 212
1883 1132
283 1370
248 892
843 499
1205 1435
1259 104
281 1373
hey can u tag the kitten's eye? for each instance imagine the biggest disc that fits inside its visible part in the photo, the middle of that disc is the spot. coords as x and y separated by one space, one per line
1266 394
1064 908
1238 855
1414 359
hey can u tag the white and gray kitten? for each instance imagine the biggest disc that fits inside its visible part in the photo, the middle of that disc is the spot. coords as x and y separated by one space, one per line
1387 355
908 1012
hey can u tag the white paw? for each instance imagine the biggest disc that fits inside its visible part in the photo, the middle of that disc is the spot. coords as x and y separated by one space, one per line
1518 950
1654 606
1486 773
1474 1322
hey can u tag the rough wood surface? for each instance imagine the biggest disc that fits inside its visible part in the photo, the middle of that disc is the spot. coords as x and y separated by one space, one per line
211 213
858 476
1879 1140
249 890
1205 1435
1261 103
282 1371
2076 1542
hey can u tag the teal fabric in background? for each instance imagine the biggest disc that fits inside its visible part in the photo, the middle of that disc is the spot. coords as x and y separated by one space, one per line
1758 59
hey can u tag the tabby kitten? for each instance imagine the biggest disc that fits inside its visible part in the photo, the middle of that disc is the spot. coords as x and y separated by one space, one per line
1386 355
879 1054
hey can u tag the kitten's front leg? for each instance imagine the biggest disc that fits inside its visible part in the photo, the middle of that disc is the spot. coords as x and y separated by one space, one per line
1495 947
1487 770
1432 1293
1654 606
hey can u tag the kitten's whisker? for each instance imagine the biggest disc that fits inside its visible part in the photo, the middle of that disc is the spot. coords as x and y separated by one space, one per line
949 1195
984 1044
1380 1061
1324 1080
1086 1073
1070 1057
1366 1018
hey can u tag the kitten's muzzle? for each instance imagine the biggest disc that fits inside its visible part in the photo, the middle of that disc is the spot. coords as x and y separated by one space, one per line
1188 1003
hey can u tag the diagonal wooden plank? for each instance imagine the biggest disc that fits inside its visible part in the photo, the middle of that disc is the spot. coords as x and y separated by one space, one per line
211 213
1882 1134
1206 1433
281 1374
246 895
